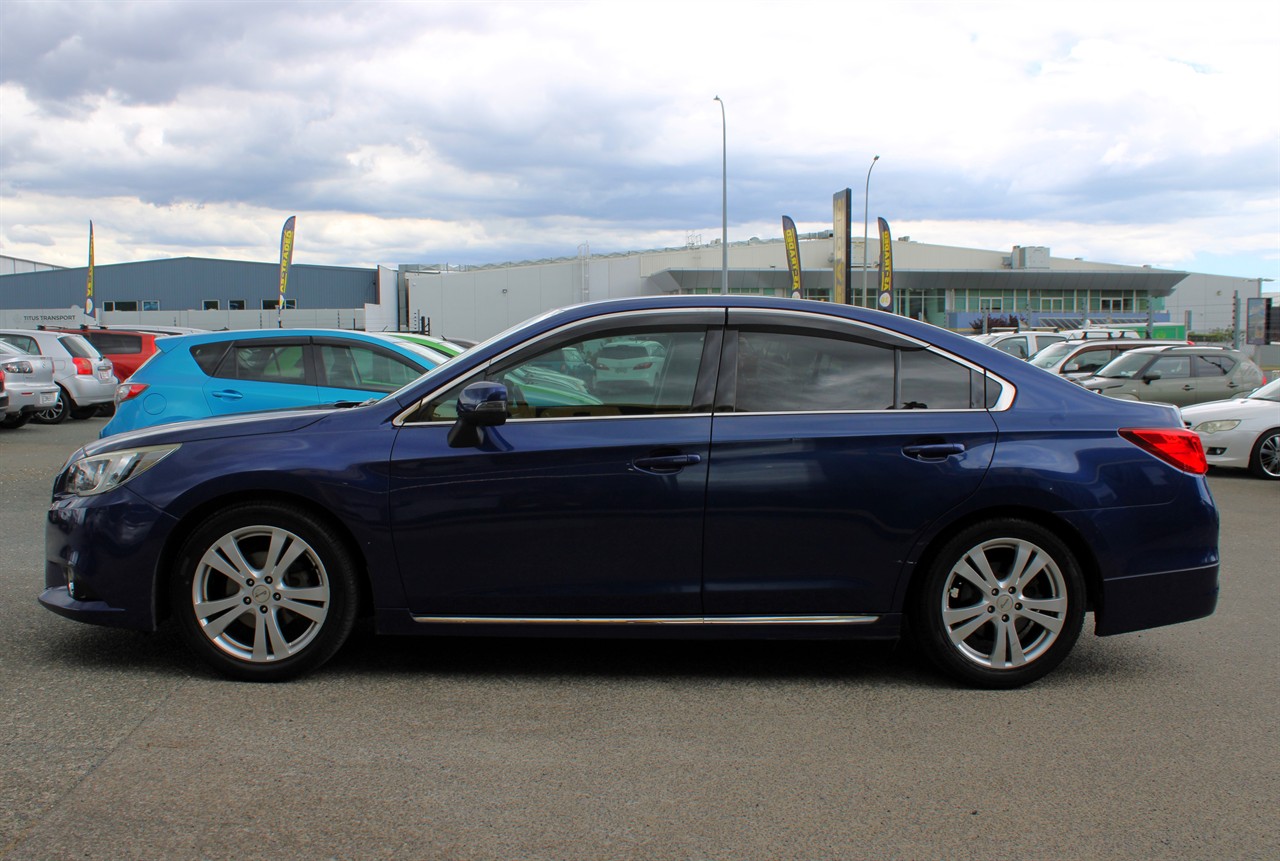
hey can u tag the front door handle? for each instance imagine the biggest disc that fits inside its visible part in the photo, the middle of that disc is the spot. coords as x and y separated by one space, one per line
933 451
666 463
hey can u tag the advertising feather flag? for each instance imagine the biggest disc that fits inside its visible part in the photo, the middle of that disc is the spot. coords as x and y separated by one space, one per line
793 255
885 300
286 258
89 309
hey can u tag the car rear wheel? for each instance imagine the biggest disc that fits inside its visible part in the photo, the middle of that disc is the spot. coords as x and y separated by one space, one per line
1264 462
56 414
1001 606
263 592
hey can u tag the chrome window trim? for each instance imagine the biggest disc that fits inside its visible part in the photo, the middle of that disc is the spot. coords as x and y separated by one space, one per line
400 420
648 620
1003 403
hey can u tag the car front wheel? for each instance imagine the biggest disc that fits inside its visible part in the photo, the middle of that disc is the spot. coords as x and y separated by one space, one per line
263 592
1264 462
1001 606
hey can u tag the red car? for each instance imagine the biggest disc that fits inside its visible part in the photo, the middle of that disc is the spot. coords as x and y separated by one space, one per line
126 349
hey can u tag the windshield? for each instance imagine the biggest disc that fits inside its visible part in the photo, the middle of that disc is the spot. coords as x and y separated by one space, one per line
1125 366
1269 392
1051 355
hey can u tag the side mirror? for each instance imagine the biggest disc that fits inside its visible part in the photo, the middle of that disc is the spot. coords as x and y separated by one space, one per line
480 405
1150 376
1070 367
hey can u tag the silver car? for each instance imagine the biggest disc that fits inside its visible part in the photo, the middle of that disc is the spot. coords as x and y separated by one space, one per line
29 382
85 379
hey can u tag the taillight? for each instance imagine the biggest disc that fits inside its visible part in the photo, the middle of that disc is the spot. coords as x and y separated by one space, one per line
643 366
84 367
129 391
1179 447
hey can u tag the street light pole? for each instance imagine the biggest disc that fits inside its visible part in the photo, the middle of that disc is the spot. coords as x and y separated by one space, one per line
724 199
866 198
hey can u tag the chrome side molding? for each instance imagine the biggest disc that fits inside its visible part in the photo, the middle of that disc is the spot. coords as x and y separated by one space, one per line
646 620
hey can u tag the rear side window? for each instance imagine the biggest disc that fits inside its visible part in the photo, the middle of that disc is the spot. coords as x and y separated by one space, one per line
781 371
24 343
1213 366
207 356
266 363
78 347
114 342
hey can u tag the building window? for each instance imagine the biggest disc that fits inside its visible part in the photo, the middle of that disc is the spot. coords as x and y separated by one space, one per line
991 303
212 305
270 304
1052 303
150 304
108 306
121 306
235 304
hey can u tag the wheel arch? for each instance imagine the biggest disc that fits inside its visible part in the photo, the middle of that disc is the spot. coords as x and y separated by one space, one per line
1065 532
191 521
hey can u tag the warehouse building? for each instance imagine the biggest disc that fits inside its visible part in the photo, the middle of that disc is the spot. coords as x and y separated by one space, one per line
957 288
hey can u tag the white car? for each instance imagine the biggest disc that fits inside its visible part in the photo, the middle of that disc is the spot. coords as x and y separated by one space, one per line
1241 433
1022 345
629 364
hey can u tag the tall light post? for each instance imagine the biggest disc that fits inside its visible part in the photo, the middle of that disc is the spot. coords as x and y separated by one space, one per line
866 199
724 199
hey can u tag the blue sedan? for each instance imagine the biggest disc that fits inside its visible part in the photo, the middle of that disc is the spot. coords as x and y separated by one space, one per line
220 373
797 469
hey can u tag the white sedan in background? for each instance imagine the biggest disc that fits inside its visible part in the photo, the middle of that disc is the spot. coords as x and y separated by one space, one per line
1241 433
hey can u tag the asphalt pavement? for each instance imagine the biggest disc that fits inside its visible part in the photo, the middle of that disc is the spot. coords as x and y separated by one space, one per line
115 744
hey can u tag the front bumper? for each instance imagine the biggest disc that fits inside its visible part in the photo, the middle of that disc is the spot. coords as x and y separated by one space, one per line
102 559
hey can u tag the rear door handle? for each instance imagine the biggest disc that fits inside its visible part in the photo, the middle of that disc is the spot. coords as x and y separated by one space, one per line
666 463
227 395
933 451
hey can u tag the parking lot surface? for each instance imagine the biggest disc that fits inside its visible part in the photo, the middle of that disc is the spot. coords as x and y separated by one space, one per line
115 744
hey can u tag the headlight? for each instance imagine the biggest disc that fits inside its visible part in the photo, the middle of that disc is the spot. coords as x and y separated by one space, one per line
90 476
1217 426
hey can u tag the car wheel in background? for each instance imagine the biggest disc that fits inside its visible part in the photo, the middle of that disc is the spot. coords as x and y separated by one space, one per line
56 414
1264 462
1001 606
14 420
263 592
81 413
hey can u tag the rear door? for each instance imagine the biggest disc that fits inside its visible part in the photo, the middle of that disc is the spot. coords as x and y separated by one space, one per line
262 374
833 447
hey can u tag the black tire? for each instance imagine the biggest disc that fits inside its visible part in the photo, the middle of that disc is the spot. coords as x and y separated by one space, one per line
56 414
247 618
1001 605
1264 460
14 420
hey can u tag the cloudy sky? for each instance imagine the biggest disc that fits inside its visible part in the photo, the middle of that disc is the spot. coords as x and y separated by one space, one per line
445 132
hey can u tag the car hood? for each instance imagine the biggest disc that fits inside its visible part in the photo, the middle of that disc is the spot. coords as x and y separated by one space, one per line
222 427
1233 408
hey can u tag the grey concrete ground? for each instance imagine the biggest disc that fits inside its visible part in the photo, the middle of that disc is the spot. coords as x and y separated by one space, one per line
114 744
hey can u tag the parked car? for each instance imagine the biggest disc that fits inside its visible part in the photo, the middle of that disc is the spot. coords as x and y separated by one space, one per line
127 350
1241 433
440 345
629 363
1021 345
851 471
1084 357
29 383
220 373
1176 375
85 379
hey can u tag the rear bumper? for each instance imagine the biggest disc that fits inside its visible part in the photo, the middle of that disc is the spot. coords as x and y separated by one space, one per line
1152 600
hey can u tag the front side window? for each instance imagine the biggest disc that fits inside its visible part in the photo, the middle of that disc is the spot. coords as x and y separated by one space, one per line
351 366
1172 367
625 372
